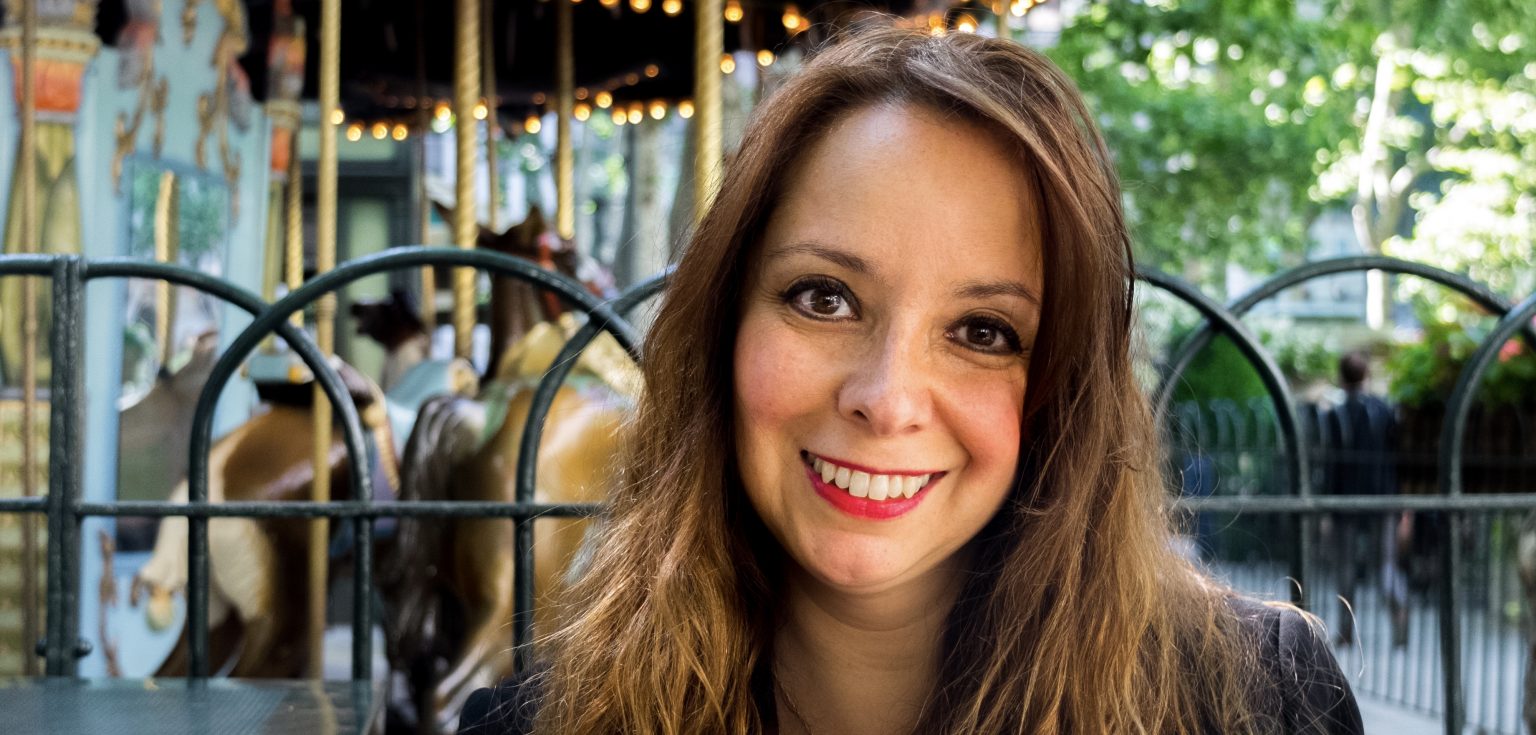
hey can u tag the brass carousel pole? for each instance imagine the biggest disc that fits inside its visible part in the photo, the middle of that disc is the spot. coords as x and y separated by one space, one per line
466 89
325 320
27 170
709 45
167 246
565 101
488 60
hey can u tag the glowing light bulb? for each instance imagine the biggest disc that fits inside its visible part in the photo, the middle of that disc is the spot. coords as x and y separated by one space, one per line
481 111
639 6
582 111
966 23
619 118
355 132
1018 8
399 132
604 100
672 7
792 18
733 12
652 70
658 110
610 3
727 64
533 125
380 130
685 109
538 98
582 93
765 58
636 113
442 111
338 117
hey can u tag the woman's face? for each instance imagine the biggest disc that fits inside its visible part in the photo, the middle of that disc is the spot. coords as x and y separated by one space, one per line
885 337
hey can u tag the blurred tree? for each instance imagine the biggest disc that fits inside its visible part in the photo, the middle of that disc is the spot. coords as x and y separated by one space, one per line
1235 123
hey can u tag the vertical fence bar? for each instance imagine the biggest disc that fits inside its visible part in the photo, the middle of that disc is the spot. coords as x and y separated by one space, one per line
64 470
1452 434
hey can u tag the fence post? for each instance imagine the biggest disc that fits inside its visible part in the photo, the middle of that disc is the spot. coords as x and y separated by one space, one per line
66 390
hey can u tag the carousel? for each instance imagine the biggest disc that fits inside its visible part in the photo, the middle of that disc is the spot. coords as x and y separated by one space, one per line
310 309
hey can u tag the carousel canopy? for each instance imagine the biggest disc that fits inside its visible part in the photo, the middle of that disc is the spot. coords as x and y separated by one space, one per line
397 55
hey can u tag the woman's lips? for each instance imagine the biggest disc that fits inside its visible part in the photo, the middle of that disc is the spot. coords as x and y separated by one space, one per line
859 493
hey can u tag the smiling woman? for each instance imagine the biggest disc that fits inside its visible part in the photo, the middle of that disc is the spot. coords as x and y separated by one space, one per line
892 472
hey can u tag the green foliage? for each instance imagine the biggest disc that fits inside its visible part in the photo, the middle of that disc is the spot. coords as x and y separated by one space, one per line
1304 355
1234 123
1206 107
1219 371
1424 372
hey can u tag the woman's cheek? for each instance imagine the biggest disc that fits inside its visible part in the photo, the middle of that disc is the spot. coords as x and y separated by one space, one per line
774 369
986 417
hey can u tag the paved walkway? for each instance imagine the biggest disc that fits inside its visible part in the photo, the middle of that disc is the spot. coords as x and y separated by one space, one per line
1391 719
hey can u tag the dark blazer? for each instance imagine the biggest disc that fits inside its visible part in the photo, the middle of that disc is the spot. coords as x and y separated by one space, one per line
1304 692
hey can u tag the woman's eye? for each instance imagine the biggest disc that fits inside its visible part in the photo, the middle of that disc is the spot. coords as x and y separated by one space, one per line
821 301
987 335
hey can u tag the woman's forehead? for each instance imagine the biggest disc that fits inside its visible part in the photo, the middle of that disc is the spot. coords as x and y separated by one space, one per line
904 184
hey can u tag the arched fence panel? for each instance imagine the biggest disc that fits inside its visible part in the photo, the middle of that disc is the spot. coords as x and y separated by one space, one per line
1272 421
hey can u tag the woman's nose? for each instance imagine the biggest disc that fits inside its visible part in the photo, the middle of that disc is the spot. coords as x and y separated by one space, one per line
886 388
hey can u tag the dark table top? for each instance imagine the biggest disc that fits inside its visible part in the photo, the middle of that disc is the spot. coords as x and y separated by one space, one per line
177 706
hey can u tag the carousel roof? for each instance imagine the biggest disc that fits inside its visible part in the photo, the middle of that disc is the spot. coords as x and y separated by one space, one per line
395 52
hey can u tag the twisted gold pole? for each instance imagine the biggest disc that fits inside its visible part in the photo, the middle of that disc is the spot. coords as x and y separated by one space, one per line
488 57
166 248
709 45
325 321
27 169
565 101
466 87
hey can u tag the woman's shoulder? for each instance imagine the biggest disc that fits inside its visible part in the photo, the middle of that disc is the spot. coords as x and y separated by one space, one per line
505 709
1306 691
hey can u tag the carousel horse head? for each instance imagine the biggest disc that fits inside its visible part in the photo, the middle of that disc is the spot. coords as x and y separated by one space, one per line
391 321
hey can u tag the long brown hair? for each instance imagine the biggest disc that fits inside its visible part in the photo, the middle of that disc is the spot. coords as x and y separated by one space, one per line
1079 617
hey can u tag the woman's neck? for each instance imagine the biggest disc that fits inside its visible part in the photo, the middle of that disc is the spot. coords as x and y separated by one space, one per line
860 663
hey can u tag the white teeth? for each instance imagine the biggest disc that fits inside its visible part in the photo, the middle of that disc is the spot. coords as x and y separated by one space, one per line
864 485
880 487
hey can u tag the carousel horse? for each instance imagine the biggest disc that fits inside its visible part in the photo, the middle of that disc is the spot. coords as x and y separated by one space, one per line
449 583
269 459
255 610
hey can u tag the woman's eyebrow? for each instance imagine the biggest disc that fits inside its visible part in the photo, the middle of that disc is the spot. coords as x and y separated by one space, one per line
988 289
825 252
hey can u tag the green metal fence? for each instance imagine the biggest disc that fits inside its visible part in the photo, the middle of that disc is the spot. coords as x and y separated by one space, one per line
65 509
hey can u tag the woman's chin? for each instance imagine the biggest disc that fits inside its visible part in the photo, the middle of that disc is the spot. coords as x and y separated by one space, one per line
857 565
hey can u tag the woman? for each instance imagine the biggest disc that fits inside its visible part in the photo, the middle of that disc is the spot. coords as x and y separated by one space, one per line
892 472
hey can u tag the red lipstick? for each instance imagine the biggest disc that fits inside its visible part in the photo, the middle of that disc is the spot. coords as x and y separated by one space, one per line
875 510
